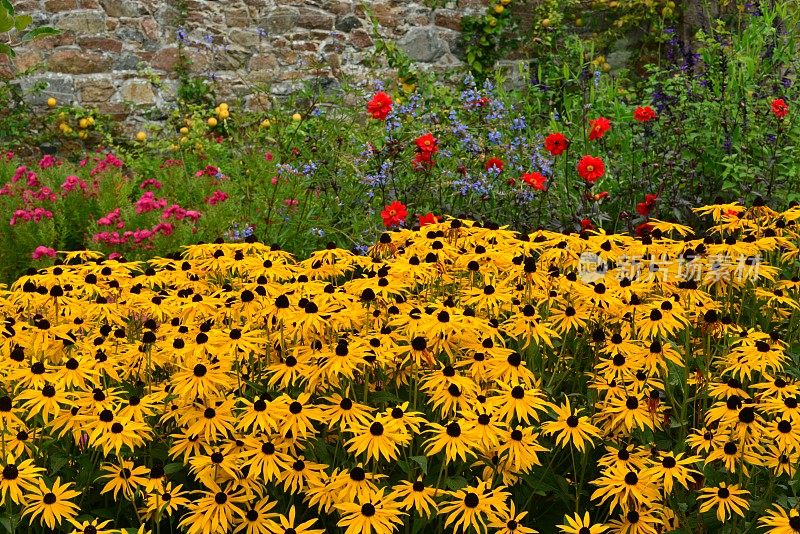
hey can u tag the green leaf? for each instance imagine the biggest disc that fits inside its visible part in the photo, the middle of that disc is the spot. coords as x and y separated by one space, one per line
6 24
6 522
171 469
456 483
22 22
422 461
8 7
57 461
7 50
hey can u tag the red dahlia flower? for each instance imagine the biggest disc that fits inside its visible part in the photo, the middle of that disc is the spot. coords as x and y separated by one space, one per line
591 168
535 180
394 214
556 143
496 163
428 218
598 128
422 161
586 224
644 208
644 229
644 114
427 143
780 108
380 106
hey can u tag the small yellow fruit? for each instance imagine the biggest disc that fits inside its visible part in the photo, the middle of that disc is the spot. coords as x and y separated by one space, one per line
505 2
492 22
198 146
141 136
578 22
67 129
83 124
297 117
223 106
606 67
499 9
62 127
184 130
613 5
91 121
189 122
409 88
173 147
265 123
184 139
83 134
51 102
224 114
545 23
666 12
671 4
212 121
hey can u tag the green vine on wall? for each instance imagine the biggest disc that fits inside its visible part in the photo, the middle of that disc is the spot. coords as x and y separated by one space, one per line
191 89
488 36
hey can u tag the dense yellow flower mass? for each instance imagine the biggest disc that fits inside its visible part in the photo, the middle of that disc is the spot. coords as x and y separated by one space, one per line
440 377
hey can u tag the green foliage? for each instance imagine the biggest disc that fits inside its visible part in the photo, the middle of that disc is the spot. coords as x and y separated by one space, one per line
19 25
487 37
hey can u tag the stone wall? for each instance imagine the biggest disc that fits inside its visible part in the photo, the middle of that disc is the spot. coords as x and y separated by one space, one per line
120 55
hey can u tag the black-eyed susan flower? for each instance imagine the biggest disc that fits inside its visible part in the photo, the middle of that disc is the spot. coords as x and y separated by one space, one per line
781 521
125 478
288 523
378 440
725 499
455 439
51 506
371 512
571 428
472 507
18 477
216 510
625 489
509 521
581 524
672 468
416 496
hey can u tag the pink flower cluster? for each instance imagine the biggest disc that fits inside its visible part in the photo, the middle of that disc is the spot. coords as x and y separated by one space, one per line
149 202
150 182
172 163
179 213
23 172
112 218
217 197
136 236
72 182
42 251
34 214
48 161
43 193
109 162
210 170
